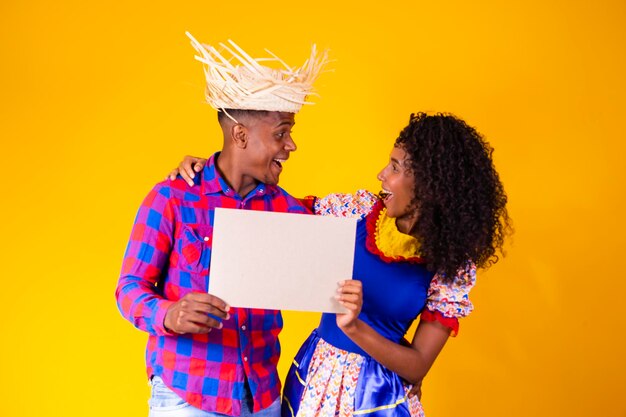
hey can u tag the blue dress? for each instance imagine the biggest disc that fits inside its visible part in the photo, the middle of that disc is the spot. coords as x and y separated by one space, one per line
331 375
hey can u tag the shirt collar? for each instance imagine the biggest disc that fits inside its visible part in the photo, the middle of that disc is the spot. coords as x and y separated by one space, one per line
213 182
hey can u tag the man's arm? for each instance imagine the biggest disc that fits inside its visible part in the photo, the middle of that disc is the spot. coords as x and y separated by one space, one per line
147 254
139 298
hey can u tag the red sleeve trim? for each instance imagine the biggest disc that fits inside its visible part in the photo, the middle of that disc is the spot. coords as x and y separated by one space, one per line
450 322
308 202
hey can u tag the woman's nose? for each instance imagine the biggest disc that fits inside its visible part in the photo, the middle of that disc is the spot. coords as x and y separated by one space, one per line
380 175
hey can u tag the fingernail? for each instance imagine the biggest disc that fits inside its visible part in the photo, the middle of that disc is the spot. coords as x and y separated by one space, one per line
227 316
193 175
227 308
221 325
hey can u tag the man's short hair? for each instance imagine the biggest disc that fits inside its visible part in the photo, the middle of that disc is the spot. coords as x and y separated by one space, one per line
239 114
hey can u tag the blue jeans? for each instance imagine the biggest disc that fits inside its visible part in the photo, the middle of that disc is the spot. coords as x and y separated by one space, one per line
165 403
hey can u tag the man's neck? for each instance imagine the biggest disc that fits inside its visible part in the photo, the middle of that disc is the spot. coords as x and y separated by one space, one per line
230 171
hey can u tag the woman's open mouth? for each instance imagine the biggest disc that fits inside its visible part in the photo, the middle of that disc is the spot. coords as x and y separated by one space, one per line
385 194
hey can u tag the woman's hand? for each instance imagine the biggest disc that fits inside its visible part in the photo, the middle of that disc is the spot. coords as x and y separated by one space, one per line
349 295
416 390
188 168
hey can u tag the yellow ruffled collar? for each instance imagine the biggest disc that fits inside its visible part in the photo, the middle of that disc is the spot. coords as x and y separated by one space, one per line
386 241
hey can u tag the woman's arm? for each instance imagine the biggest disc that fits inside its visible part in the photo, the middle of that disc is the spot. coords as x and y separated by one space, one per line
446 303
409 362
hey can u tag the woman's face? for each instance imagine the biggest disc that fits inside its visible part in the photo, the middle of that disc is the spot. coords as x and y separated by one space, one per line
398 189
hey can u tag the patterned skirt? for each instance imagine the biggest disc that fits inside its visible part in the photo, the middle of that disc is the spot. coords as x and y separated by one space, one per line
325 381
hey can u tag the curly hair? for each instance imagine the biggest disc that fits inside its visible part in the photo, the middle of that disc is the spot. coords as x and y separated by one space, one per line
460 200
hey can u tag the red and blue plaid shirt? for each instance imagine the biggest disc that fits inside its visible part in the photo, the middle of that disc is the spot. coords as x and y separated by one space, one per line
168 256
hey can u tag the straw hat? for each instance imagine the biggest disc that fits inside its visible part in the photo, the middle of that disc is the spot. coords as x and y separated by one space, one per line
238 81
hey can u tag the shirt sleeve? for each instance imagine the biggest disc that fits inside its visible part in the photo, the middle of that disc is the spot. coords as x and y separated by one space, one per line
356 205
449 301
139 298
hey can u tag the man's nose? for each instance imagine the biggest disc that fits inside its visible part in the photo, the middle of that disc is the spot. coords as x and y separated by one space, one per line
290 145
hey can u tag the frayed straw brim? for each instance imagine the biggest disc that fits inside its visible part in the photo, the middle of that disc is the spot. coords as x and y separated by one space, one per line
240 82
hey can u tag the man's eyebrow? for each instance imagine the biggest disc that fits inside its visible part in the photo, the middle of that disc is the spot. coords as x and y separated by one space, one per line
286 122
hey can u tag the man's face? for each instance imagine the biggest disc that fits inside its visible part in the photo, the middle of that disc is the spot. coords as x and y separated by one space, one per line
269 145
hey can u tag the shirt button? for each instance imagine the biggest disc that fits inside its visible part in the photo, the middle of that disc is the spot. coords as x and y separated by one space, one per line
243 327
206 238
245 358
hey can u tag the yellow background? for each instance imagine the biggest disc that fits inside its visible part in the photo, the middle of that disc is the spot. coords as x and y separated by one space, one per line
100 100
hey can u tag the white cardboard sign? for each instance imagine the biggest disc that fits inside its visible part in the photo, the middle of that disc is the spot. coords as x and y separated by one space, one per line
280 261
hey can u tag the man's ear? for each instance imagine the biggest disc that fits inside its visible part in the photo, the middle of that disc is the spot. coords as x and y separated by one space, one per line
239 135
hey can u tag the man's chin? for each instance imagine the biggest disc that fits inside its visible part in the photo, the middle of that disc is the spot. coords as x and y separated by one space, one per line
271 179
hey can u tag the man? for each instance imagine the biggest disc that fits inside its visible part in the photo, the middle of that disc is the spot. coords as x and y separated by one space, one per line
203 357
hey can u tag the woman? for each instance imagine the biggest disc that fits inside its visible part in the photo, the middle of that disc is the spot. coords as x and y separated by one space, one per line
441 214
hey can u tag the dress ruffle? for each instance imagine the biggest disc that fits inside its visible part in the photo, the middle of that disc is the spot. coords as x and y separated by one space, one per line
374 225
325 381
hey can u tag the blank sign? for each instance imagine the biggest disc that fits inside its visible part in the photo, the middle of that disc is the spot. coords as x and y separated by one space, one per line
280 261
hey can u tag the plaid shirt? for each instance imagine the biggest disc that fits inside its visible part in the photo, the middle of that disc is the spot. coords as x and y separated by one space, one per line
168 256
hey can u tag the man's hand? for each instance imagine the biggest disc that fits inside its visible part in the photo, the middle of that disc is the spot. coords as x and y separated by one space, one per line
188 168
190 314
